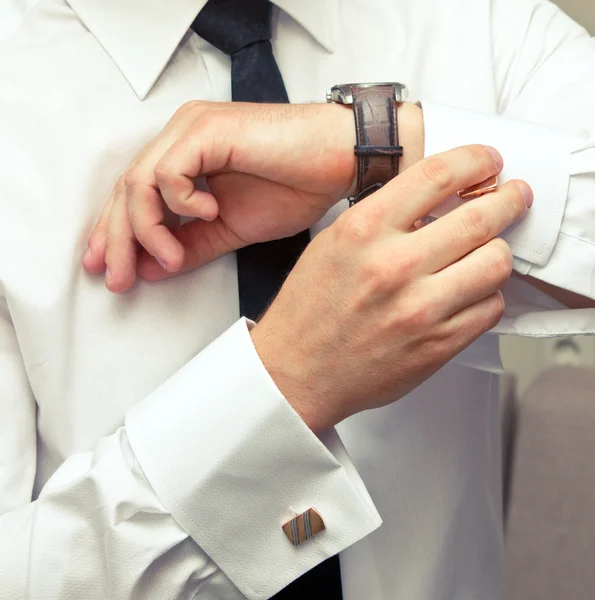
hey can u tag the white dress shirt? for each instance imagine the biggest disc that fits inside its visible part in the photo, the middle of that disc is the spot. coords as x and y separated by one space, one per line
144 450
12 12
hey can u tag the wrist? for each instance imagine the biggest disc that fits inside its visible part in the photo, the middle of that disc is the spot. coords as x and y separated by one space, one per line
411 138
411 134
293 378
342 126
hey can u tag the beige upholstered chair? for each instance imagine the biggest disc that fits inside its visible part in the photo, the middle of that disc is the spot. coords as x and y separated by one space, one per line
550 513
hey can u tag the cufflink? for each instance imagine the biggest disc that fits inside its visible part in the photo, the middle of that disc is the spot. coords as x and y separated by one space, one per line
303 527
479 189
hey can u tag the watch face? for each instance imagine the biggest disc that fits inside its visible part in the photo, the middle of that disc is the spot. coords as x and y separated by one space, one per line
342 93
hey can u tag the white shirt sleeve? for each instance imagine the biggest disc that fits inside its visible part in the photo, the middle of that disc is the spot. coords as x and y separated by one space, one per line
544 126
186 500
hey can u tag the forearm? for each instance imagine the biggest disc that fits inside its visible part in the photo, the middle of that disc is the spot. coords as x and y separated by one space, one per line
161 508
97 509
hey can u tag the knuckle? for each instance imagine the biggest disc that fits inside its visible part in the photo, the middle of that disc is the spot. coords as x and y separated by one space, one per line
419 315
475 224
206 132
440 349
180 112
353 227
501 265
379 277
209 125
375 280
517 202
437 171
131 178
187 107
405 267
162 171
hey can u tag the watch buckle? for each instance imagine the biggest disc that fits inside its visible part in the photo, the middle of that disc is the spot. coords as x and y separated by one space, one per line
365 193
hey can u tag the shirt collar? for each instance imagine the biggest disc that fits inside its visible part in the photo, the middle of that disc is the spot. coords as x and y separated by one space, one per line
141 35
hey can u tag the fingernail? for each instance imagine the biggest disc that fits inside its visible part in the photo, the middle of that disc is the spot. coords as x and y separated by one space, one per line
526 193
108 275
87 254
162 263
496 157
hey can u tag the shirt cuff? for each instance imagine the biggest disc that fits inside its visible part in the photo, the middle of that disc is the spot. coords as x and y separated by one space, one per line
232 462
537 154
531 313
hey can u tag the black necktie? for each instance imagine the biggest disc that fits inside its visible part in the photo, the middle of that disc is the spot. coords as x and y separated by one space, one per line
242 29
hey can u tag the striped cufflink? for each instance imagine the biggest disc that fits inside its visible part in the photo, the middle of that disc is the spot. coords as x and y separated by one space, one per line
303 527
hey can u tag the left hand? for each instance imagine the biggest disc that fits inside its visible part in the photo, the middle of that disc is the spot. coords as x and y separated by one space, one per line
272 171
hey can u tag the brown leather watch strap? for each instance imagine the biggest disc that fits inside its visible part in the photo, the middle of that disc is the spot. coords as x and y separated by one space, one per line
378 150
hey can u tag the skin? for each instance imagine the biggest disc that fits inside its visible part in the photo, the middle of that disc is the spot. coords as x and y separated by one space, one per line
273 170
383 326
303 165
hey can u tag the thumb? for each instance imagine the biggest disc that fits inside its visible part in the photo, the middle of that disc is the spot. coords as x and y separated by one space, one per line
202 243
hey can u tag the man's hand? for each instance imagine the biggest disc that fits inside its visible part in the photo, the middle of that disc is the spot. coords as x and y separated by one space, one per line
375 306
271 170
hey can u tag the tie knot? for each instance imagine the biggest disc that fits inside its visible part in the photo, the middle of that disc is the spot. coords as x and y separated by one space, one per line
231 25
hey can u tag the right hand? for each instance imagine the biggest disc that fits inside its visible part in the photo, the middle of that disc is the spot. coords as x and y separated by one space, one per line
375 306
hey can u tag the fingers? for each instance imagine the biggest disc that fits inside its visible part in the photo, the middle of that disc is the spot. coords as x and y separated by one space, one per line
419 189
182 198
473 278
182 164
171 181
147 215
471 225
94 257
120 249
140 179
466 326
145 188
201 242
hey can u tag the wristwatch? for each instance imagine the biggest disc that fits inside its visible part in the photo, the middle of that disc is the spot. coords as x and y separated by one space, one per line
377 133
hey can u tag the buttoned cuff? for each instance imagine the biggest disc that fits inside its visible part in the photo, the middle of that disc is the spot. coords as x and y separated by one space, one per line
571 264
537 154
233 462
541 247
531 313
